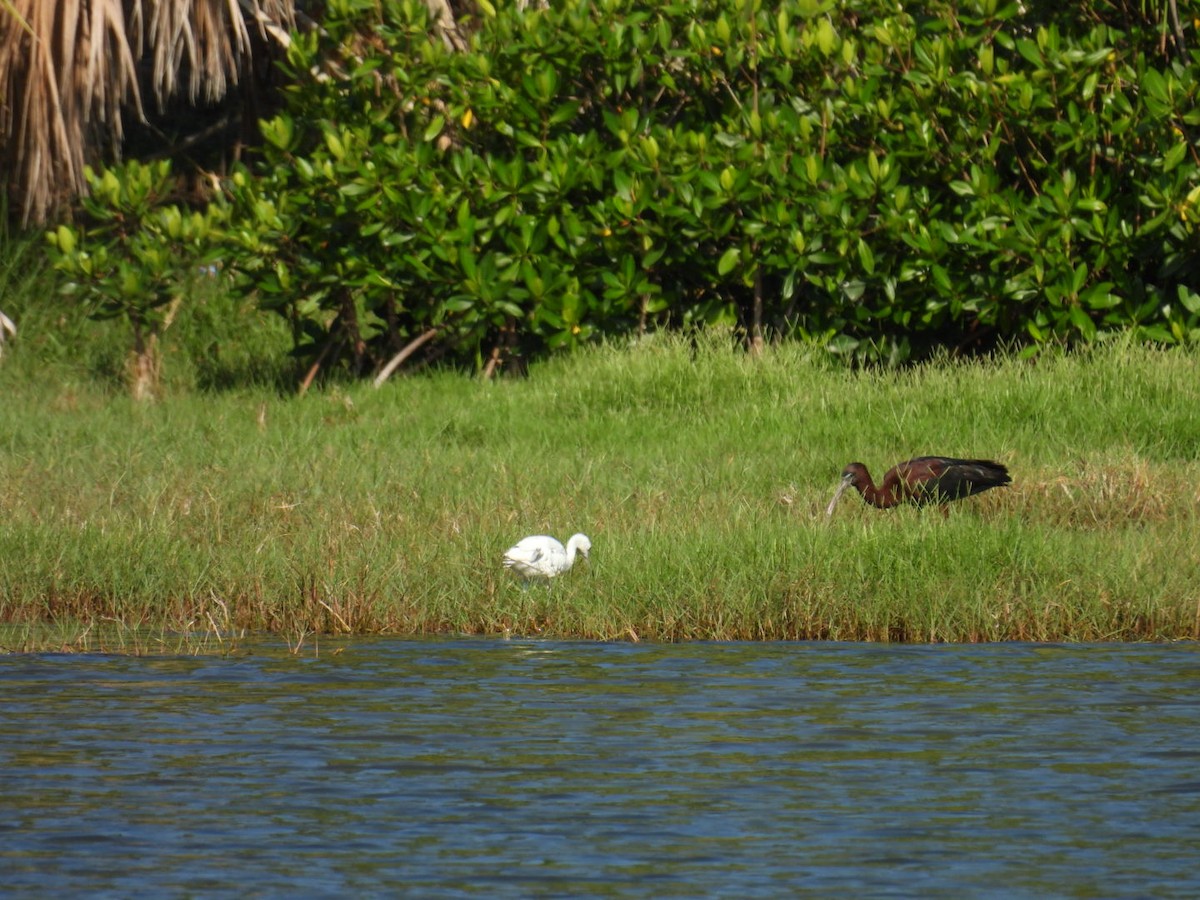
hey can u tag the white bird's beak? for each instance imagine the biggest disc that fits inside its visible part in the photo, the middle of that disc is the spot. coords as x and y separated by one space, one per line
841 489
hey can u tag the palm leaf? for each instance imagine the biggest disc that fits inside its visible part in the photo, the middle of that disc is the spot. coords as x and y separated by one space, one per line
69 73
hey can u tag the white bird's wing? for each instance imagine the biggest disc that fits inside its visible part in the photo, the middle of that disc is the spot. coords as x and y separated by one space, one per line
537 556
524 552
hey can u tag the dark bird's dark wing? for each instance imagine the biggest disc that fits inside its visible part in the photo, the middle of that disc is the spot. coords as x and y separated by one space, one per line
954 479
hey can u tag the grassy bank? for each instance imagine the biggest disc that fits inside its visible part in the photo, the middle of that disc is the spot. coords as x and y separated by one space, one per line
701 476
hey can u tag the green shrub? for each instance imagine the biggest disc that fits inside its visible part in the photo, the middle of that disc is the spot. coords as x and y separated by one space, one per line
880 179
135 257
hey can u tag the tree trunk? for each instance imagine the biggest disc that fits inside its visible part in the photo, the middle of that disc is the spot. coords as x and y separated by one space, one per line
756 330
144 370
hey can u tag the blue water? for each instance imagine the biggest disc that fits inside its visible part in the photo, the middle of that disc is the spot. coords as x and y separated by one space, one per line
535 769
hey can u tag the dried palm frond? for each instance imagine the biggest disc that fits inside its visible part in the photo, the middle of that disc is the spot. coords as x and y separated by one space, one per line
69 69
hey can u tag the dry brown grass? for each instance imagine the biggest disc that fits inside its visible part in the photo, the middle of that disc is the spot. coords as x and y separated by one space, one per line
1104 495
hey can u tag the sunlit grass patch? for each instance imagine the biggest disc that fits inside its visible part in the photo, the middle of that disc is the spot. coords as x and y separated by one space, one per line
701 476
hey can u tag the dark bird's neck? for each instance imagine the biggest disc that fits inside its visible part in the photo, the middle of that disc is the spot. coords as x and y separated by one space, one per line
883 498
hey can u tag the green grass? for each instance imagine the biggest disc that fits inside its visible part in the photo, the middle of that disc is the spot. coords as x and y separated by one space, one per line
700 474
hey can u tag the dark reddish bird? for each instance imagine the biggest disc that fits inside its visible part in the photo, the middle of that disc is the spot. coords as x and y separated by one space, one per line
924 480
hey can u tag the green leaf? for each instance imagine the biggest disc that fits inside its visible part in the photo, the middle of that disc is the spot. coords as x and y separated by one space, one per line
1030 51
279 131
866 256
466 260
335 145
728 260
1083 322
65 238
1174 156
434 128
826 36
1079 278
1154 86
1189 300
1100 296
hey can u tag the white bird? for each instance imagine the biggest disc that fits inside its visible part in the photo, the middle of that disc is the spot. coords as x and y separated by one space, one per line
541 556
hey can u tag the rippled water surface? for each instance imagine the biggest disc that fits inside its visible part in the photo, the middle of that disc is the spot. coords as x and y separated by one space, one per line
518 769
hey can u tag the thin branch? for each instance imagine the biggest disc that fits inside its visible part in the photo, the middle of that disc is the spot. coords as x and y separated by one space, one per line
395 362
1177 30
335 341
171 150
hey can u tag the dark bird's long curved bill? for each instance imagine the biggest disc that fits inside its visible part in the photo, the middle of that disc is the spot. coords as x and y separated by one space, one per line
837 495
